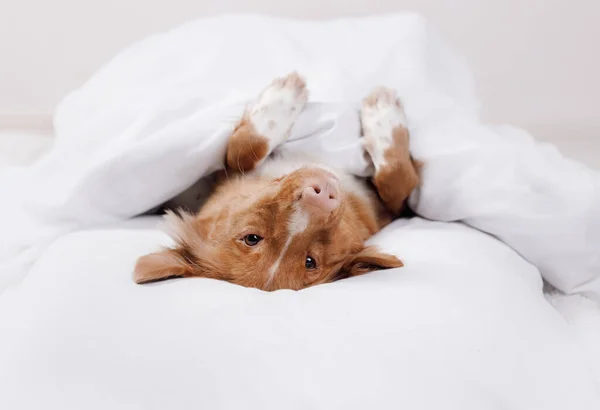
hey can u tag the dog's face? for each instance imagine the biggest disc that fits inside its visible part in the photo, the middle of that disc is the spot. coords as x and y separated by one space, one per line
289 233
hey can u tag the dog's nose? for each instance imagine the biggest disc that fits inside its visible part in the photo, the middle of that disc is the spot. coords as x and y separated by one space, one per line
321 196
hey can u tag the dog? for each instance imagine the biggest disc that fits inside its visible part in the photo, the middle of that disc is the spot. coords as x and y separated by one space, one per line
279 222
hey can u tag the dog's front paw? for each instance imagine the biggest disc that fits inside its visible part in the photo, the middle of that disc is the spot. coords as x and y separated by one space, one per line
384 127
277 108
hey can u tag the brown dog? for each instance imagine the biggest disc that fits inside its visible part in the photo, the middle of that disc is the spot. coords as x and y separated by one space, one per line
289 223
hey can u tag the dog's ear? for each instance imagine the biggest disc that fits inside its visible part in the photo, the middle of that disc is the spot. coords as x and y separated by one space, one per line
191 255
168 263
367 260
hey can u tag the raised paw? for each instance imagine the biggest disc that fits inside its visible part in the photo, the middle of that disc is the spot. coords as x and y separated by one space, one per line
384 127
278 107
266 124
386 142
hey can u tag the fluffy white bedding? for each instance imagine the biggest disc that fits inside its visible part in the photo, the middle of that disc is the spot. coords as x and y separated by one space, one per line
19 148
463 326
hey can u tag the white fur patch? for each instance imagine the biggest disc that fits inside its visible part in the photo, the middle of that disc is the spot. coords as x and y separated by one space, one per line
277 108
380 114
297 224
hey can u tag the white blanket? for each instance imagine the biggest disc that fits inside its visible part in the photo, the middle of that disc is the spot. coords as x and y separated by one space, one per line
157 117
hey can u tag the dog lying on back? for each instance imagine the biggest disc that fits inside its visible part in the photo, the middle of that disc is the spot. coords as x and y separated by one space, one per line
289 223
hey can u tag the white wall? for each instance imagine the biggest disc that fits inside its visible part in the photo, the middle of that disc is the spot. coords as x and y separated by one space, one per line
537 61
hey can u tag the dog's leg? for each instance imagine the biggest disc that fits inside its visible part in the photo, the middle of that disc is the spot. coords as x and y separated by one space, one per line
267 123
386 141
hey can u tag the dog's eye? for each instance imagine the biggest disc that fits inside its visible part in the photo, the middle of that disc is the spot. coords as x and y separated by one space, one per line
252 239
310 263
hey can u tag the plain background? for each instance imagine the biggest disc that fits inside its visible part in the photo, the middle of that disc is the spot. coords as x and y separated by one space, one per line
536 62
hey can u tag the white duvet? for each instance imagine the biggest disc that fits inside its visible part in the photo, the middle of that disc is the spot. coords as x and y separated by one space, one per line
464 325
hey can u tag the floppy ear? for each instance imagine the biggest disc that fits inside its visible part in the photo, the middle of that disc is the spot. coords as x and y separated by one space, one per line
191 255
165 264
368 260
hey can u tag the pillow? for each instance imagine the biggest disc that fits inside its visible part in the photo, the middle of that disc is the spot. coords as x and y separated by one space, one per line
463 325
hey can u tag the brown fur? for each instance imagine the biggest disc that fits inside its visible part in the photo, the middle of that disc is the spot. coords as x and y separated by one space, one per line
397 179
246 148
211 244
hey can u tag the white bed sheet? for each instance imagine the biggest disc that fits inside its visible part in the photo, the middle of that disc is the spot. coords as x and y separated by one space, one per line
22 148
463 326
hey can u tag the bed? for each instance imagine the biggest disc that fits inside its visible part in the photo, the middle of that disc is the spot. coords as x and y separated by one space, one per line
464 325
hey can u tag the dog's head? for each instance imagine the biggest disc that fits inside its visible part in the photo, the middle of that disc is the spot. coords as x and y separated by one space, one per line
289 233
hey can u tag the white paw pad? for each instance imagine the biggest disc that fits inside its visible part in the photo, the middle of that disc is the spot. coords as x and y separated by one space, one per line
278 107
380 115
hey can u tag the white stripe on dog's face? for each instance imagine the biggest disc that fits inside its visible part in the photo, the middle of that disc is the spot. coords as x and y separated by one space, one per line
297 224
